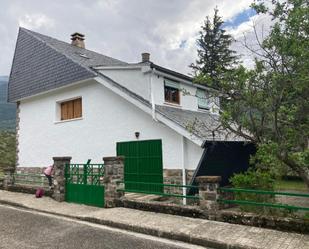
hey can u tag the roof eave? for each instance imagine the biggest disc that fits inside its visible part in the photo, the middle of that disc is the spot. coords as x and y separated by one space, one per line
15 100
169 71
178 76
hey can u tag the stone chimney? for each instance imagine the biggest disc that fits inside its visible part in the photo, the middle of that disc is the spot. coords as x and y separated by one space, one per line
145 57
78 40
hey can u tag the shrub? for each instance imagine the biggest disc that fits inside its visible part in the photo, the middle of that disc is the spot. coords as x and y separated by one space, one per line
254 179
7 149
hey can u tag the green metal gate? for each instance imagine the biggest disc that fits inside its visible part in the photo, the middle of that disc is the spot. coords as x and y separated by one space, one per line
84 184
143 165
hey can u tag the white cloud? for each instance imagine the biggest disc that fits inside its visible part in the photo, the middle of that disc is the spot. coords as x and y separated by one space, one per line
36 21
245 36
118 28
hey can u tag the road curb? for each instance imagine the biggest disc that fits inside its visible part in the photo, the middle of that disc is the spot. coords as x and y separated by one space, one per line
148 231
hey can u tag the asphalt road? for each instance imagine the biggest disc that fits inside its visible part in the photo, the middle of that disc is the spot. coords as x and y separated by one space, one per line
25 229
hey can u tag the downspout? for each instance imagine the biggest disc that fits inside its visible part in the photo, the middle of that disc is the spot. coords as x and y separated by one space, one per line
184 190
153 106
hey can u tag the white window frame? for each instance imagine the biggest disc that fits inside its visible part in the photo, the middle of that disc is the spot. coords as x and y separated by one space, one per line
58 110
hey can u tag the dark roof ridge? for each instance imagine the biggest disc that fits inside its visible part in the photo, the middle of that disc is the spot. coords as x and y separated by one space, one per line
51 46
170 71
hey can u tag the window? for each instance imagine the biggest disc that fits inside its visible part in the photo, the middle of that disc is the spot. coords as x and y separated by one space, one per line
171 92
203 99
71 109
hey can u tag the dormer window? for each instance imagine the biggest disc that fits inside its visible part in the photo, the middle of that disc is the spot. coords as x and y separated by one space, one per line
171 92
203 99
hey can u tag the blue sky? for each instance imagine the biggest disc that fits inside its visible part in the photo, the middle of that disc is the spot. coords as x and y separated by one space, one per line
240 18
232 23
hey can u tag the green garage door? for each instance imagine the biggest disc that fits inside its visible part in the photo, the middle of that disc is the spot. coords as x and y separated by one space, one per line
143 165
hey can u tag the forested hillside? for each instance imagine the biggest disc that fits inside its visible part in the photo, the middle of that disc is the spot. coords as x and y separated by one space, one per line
7 110
7 128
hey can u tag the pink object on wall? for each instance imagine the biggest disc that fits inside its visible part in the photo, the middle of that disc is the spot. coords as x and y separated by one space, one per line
48 170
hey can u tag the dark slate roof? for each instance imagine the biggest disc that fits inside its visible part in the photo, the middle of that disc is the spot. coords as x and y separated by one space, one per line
81 56
201 124
42 63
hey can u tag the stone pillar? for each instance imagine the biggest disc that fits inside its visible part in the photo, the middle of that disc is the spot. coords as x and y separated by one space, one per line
208 192
113 180
59 177
8 177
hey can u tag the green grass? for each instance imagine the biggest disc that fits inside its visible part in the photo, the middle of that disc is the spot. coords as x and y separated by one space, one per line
290 185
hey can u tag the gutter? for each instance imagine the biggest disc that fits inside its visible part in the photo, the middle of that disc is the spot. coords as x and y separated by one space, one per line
184 190
117 67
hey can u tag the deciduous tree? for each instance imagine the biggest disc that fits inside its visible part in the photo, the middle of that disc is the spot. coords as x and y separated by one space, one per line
269 105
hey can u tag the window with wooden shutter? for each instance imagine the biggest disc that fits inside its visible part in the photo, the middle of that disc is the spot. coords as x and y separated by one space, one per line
71 109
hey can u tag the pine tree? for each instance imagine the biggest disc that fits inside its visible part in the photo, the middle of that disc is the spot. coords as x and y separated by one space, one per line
215 57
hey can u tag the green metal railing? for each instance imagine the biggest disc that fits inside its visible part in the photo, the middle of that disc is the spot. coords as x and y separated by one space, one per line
262 204
161 189
86 174
30 179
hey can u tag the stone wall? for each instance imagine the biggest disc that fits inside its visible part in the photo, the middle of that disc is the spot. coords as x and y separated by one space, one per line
28 190
167 208
278 223
174 176
34 176
29 170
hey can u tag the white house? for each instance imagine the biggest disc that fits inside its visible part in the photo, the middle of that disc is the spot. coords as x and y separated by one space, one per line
75 102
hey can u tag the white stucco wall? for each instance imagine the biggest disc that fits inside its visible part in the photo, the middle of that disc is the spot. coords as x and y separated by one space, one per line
132 79
107 119
192 154
187 101
137 81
